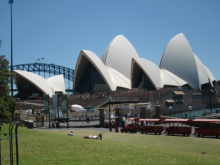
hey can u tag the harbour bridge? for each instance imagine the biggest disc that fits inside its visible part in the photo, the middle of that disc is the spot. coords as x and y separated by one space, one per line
48 70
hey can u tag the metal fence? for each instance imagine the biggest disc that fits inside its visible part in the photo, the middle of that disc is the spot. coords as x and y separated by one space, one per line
12 137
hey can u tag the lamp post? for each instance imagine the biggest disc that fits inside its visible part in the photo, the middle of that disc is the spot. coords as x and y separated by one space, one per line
170 108
210 95
11 2
190 109
67 124
49 118
109 99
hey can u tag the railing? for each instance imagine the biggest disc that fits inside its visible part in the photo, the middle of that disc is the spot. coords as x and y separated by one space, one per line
9 136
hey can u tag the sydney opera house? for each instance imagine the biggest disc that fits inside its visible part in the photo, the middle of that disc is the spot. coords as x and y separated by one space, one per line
120 68
31 85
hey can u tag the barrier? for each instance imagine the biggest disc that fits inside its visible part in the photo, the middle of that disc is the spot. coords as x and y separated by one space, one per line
9 136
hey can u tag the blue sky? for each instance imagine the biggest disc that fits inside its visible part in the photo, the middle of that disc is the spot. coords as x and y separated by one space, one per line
58 30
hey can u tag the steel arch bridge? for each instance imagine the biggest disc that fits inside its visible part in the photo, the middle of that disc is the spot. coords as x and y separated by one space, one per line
48 68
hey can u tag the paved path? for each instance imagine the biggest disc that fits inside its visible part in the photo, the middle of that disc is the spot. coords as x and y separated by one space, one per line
85 128
76 125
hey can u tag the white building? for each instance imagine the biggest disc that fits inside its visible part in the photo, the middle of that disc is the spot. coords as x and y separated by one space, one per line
121 68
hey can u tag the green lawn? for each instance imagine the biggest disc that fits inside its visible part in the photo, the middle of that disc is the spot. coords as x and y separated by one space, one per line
55 147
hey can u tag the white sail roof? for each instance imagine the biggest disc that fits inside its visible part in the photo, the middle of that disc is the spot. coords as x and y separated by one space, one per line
119 51
178 58
179 66
47 86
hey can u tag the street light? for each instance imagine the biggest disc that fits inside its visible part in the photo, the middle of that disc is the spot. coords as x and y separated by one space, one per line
210 95
170 108
190 109
11 2
109 99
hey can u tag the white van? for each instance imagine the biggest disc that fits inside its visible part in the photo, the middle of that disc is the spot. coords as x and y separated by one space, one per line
77 108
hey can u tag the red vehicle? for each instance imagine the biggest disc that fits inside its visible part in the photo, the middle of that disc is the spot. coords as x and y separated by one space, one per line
133 127
151 127
178 127
207 127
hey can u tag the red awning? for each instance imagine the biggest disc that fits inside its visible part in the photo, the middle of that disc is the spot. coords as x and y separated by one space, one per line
177 120
206 120
150 120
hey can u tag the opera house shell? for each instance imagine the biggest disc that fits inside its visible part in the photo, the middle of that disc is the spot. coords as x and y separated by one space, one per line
121 68
30 83
179 59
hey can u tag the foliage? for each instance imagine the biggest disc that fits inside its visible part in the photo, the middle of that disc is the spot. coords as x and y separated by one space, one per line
7 103
55 147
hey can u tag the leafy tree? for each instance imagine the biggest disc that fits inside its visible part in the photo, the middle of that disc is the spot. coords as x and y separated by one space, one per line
7 103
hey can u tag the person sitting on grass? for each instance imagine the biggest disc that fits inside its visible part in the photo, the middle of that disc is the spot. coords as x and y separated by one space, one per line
99 136
70 133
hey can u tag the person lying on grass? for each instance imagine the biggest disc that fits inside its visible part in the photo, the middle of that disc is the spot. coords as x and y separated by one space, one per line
99 136
70 133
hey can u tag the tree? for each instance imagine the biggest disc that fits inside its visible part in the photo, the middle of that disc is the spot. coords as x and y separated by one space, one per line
7 103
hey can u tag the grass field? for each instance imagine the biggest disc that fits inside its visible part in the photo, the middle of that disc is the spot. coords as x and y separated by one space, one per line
40 147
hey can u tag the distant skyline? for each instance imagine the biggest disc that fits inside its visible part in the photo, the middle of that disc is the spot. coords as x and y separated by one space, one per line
54 31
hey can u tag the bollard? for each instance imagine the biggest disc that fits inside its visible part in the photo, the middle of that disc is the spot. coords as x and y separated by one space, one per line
116 127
